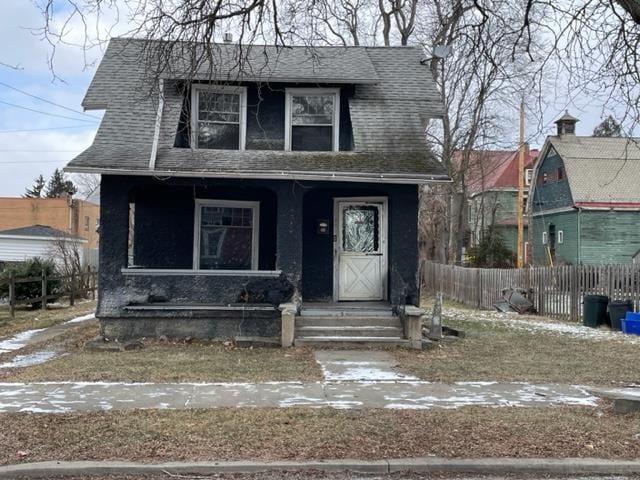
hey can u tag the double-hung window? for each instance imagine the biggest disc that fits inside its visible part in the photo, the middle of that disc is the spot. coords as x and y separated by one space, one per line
218 117
312 119
226 235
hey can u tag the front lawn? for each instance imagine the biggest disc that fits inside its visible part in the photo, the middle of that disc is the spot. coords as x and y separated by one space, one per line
172 362
493 351
306 433
28 319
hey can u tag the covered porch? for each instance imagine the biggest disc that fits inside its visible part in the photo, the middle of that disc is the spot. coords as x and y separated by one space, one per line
226 258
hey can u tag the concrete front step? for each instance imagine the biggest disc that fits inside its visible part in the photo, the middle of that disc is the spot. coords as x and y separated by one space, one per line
348 321
346 312
344 341
349 331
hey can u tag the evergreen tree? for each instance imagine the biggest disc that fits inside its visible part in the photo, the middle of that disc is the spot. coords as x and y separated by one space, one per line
58 186
36 190
609 127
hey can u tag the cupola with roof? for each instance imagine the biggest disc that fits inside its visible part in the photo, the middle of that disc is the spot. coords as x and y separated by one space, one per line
566 124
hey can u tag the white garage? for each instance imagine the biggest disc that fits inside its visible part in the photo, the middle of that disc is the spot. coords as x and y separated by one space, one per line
20 244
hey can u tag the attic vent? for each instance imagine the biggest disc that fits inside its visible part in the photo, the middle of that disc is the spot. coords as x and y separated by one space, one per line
228 37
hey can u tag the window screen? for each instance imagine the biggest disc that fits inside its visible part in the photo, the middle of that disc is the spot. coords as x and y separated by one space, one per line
218 120
312 122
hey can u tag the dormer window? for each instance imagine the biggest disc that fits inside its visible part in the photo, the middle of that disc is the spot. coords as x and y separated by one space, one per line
312 119
218 117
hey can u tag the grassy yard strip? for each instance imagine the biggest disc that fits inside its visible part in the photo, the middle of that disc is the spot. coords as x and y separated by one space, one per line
496 352
33 319
306 433
174 362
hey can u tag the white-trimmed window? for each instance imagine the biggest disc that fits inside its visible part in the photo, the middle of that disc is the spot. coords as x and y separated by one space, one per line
528 174
226 235
544 238
218 117
560 236
312 119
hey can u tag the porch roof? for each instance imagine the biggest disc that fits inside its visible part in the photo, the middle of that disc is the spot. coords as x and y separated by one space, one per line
378 167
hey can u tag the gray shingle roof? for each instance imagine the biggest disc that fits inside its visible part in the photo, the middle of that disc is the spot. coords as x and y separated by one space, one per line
42 231
408 167
393 98
600 169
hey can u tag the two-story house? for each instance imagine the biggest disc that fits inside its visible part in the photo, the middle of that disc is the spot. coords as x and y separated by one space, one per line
585 199
289 184
492 194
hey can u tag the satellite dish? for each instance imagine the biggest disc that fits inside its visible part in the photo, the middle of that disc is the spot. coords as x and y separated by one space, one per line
442 51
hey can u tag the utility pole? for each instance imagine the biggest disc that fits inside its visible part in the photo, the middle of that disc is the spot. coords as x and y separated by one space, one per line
520 207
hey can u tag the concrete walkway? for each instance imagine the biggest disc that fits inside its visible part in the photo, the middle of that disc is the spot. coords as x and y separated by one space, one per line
61 397
359 365
33 337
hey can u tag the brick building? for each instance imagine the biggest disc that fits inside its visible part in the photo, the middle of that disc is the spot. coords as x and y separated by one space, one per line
77 217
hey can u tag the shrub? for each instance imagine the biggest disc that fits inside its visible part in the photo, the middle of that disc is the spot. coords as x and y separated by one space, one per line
31 268
491 252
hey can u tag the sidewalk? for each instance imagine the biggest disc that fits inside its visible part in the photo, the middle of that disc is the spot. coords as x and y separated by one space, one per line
61 397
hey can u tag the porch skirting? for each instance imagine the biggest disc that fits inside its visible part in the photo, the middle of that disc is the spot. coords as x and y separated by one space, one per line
220 324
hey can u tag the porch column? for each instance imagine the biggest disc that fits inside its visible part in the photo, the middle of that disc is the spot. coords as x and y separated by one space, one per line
114 226
289 235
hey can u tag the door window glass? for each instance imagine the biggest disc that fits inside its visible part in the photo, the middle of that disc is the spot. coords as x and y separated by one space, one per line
360 229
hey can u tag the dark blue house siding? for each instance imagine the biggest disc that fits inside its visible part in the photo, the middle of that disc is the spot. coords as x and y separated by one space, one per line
166 212
289 242
555 193
403 249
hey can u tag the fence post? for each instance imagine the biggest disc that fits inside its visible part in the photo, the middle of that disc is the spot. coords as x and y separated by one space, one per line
92 282
12 295
72 290
43 302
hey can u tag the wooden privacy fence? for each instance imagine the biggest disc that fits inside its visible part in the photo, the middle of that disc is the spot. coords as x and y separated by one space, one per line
78 285
555 291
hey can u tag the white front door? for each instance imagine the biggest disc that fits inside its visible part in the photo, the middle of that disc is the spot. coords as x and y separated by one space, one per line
360 249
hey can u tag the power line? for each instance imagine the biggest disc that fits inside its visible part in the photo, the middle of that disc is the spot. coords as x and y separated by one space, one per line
47 101
19 150
43 129
46 113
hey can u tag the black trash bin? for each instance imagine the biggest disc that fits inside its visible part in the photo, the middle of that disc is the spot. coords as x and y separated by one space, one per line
617 311
595 310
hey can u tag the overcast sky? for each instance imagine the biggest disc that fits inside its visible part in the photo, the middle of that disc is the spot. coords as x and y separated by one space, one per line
33 143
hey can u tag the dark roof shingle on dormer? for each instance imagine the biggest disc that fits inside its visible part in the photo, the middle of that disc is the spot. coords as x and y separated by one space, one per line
393 99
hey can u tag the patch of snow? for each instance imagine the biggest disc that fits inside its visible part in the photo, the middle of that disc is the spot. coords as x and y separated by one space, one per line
83 318
30 359
18 341
513 320
365 372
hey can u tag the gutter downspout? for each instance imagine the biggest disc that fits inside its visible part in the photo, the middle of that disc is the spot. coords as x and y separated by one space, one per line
156 131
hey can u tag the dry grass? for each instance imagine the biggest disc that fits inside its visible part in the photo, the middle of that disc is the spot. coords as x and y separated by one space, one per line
172 362
497 352
30 319
303 433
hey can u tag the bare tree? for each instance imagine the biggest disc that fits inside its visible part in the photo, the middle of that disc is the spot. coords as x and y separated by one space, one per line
88 184
67 255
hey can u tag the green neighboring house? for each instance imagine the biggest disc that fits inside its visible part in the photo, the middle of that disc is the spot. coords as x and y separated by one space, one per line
585 199
492 193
